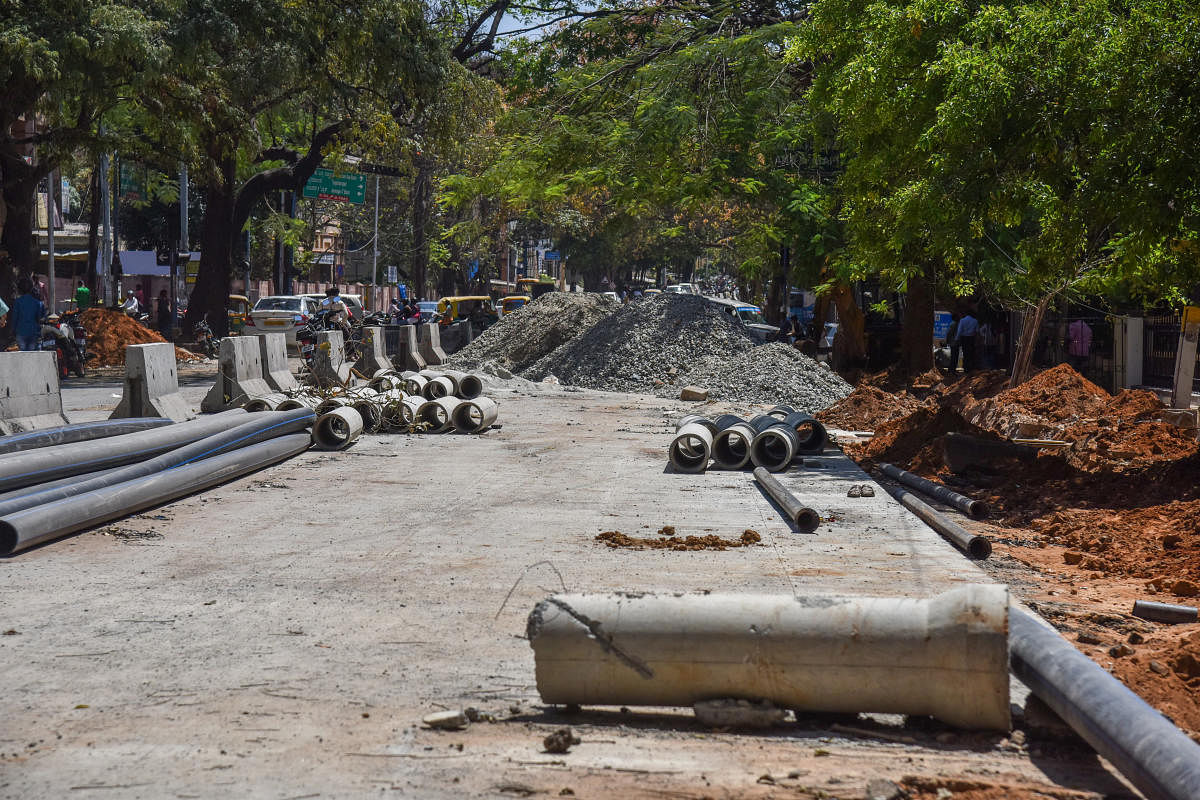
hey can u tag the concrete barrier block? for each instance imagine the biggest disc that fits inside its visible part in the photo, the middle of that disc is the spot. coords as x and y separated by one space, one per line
152 384
374 356
239 375
29 392
429 342
272 351
400 344
329 367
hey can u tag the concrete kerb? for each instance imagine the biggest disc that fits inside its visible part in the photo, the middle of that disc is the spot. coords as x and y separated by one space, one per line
152 384
239 375
400 344
429 342
273 354
329 367
374 357
29 392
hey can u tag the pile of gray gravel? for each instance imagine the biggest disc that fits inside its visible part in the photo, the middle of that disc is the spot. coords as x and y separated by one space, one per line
651 346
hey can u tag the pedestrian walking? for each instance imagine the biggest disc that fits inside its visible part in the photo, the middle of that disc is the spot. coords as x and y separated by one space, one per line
968 330
28 313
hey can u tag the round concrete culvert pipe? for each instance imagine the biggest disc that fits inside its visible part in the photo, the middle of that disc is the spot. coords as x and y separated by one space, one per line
811 433
386 382
299 401
731 445
270 402
475 415
433 374
780 412
689 419
467 386
946 656
977 509
438 414
410 408
371 412
337 429
415 384
775 447
438 387
79 432
691 449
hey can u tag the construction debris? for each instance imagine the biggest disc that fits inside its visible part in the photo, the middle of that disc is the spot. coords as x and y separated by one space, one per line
617 539
110 332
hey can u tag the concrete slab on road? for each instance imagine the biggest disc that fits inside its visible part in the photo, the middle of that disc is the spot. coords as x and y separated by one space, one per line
283 635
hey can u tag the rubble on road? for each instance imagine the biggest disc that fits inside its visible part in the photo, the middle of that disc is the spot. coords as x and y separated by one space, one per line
670 541
110 332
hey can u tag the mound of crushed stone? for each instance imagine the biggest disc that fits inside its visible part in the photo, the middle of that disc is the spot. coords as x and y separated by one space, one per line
769 374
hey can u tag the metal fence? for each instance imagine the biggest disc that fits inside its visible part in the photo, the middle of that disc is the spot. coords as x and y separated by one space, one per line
1160 342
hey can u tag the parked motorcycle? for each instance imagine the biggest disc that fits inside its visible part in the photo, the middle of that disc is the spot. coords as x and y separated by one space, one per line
210 345
59 339
322 320
70 322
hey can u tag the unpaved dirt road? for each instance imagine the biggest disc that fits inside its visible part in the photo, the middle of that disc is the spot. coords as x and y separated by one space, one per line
282 636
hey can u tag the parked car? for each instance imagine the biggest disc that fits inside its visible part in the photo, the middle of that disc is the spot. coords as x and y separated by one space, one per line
280 314
682 288
354 306
749 316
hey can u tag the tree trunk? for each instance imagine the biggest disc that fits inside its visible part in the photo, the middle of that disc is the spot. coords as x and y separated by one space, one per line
1028 341
777 296
850 342
422 195
210 298
94 235
17 235
916 333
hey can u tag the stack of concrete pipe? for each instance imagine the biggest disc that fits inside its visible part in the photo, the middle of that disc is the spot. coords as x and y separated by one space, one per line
49 490
431 401
772 441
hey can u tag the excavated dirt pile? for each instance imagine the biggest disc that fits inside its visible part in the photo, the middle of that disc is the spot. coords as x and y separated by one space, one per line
109 332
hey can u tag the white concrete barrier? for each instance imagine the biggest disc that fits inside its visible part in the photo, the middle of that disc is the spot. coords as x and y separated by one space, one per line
374 356
152 384
272 351
239 375
402 349
329 365
29 392
429 342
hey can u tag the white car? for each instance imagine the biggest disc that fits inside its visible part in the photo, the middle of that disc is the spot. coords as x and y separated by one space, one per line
613 295
682 288
280 314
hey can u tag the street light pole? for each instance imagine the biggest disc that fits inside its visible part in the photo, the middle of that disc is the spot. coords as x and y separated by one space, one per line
375 244
50 239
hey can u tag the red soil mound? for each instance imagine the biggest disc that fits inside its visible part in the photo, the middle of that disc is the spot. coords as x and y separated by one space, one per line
109 332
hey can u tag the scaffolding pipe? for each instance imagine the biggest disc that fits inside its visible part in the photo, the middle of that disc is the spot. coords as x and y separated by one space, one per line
801 515
1156 757
1165 612
977 547
61 460
976 509
79 432
53 520
731 445
946 656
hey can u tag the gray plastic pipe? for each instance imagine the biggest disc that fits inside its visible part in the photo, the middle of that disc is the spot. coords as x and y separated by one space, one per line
1141 743
812 434
972 544
775 446
59 461
691 448
438 414
337 429
467 386
976 509
801 515
1165 612
946 656
79 432
67 481
731 445
53 520
256 428
475 415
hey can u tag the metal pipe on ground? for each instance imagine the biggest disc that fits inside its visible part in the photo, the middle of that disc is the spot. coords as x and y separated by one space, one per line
79 432
1165 612
946 656
976 509
475 415
467 386
731 445
801 515
775 446
337 429
53 520
438 414
255 428
1156 757
31 467
691 448
811 433
974 545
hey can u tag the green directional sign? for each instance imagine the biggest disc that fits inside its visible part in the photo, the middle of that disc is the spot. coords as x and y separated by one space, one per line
348 187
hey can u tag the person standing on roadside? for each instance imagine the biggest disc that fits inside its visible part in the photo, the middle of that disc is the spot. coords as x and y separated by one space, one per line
968 329
163 314
28 313
83 297
952 341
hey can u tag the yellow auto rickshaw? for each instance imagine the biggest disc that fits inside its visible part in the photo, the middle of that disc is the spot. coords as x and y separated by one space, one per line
513 302
453 309
239 308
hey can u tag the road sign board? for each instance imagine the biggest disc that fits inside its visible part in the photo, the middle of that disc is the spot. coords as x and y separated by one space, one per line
348 187
551 255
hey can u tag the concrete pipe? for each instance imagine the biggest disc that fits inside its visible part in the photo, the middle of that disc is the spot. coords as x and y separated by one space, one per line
438 414
440 386
780 412
946 656
334 403
468 386
371 412
270 402
775 447
731 445
691 449
972 544
811 433
801 515
337 429
299 401
415 384
79 432
410 408
386 382
1165 612
976 509
475 415
689 419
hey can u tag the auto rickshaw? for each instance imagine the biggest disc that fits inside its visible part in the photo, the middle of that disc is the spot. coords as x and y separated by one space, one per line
513 302
239 308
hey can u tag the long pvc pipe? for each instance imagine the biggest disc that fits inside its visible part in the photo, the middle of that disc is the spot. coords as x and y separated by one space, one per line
946 656
53 520
79 432
976 509
257 428
1144 746
475 415
974 545
67 481
801 515
1165 612
337 429
691 448
812 434
731 445
59 461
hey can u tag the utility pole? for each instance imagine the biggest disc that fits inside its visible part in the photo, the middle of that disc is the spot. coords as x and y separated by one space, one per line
115 264
50 240
375 244
105 262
